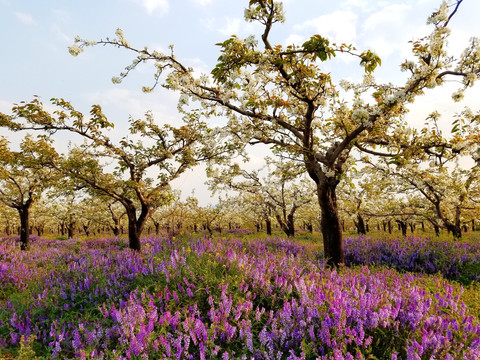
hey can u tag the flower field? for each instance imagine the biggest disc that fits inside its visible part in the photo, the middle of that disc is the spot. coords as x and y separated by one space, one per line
202 298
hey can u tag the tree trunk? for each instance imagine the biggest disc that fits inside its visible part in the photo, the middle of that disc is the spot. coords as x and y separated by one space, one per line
360 224
71 230
330 224
402 226
86 230
134 229
269 226
286 226
412 227
310 228
209 229
456 230
24 212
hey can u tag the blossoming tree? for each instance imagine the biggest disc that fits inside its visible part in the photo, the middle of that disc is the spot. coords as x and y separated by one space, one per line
23 178
446 177
280 192
280 96
167 150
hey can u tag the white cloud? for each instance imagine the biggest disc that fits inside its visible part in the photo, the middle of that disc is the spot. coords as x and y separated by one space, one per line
61 15
295 39
202 2
120 103
5 106
60 34
228 26
386 31
231 26
25 18
155 6
339 26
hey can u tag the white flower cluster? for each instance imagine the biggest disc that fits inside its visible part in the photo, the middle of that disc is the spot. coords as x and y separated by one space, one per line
75 49
121 37
470 79
368 79
250 42
440 15
458 95
330 173
360 115
257 12
407 65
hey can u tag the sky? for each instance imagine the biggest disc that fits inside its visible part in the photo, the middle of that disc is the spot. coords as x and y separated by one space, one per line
35 36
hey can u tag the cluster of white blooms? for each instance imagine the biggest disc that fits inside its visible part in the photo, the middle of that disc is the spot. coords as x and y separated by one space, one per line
250 41
330 173
75 49
116 80
407 65
368 79
121 37
470 79
440 15
346 85
360 115
458 95
257 12
204 79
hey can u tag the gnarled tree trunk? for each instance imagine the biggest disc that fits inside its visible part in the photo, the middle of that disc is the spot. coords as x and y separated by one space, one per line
330 223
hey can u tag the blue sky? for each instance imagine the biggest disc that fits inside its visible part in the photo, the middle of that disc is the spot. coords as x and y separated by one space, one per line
35 35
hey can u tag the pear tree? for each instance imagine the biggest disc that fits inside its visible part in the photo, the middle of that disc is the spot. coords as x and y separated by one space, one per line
284 97
121 169
24 177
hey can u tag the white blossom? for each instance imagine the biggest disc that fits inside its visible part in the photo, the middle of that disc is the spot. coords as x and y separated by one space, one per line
75 50
121 37
330 173
458 96
360 115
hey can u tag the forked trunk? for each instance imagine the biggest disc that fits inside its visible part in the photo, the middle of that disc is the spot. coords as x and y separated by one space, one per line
133 234
456 230
330 224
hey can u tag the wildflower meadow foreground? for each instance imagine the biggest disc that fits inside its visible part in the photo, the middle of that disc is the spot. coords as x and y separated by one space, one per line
203 298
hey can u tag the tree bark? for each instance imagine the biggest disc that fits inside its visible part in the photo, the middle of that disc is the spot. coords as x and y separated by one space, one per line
269 226
330 223
135 228
24 212
402 226
456 230
360 224
71 230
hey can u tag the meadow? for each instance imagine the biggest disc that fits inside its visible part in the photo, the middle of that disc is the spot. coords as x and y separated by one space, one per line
239 296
